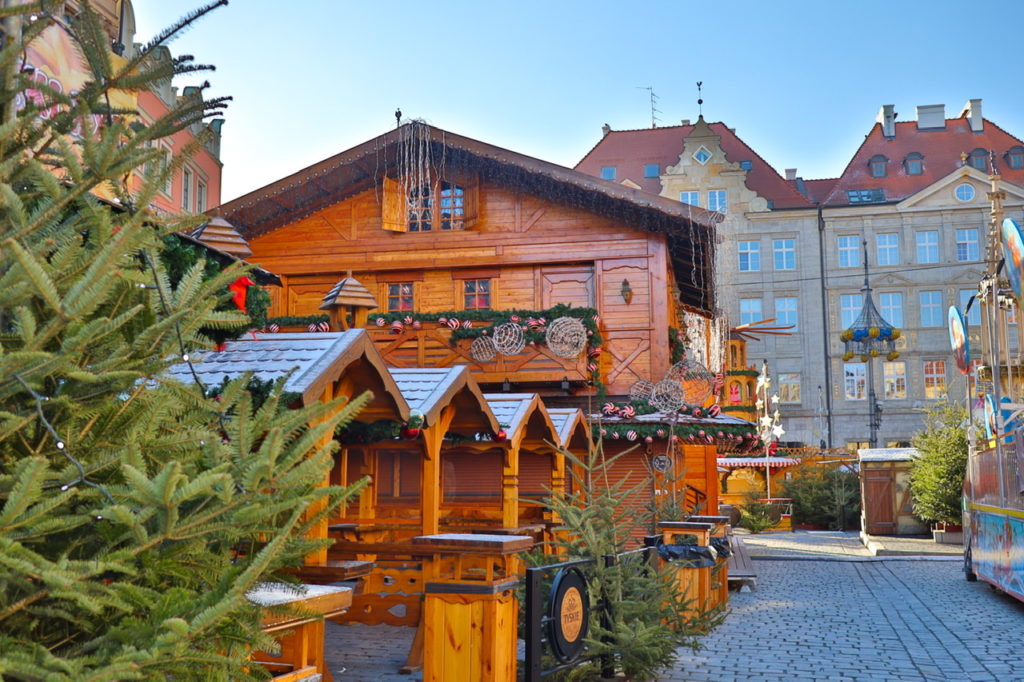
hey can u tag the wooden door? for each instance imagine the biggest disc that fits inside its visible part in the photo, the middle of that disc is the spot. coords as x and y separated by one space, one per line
567 284
879 501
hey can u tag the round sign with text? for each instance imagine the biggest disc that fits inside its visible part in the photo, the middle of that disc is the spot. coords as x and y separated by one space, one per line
569 614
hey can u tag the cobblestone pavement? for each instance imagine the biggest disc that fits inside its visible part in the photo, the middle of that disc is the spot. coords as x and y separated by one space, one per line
824 612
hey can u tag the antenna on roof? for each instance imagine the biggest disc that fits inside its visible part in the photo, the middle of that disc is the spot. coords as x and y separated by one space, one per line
700 101
398 118
654 99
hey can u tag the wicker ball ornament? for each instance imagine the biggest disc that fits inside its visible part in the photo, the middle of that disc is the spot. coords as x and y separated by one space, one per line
641 390
697 381
566 337
509 338
667 396
482 349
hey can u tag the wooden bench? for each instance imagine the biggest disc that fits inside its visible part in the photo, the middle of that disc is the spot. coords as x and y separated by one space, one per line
741 570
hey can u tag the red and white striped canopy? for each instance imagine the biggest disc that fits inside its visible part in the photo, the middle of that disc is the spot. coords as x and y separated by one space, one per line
757 461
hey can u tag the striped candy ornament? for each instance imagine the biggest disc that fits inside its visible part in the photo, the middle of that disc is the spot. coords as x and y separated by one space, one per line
324 326
609 409
632 435
312 328
381 322
627 412
453 323
273 328
397 327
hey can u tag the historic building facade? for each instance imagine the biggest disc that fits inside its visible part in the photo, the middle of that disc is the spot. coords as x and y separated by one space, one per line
793 249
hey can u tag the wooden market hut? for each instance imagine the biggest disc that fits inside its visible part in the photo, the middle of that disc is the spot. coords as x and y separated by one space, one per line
476 234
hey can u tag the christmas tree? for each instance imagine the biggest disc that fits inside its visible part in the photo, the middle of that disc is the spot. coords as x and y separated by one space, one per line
135 512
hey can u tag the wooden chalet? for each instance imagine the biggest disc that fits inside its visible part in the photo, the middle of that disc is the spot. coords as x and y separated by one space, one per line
439 227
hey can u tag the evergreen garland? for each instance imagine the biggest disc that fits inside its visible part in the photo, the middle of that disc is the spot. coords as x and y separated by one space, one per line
296 320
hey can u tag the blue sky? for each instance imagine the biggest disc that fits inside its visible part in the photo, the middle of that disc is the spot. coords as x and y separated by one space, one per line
800 81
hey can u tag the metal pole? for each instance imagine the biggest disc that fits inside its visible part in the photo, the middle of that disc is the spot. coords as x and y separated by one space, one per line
872 406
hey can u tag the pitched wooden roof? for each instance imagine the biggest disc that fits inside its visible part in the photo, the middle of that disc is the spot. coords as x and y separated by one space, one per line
349 291
523 412
221 234
360 168
430 390
313 361
570 424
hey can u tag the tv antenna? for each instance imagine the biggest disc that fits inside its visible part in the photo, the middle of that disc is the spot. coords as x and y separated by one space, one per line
700 100
654 100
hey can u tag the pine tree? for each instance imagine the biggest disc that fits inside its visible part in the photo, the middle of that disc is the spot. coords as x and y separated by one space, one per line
135 511
937 475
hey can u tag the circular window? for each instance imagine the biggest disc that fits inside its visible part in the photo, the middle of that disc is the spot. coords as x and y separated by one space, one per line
964 192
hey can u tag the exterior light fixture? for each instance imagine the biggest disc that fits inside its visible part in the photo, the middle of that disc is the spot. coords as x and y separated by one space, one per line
506 386
565 384
626 291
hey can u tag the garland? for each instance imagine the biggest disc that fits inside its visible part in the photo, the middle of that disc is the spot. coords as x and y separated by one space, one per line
732 437
676 346
297 320
374 432
739 408
259 389
742 373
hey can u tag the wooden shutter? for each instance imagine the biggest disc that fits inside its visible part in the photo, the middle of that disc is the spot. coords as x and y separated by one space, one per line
385 473
392 211
567 284
472 474
470 200
410 475
534 474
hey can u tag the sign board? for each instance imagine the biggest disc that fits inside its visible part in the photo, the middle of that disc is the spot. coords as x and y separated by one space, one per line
568 615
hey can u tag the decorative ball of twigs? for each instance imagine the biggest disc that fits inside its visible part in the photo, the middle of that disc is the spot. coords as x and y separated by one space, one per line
698 381
509 339
566 337
667 396
482 349
641 390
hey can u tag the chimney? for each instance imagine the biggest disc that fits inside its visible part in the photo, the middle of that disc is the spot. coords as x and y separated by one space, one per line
791 173
931 116
972 112
605 129
887 117
685 122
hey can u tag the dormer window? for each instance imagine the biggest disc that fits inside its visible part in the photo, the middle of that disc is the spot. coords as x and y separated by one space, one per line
702 155
441 207
878 165
978 159
1015 158
914 163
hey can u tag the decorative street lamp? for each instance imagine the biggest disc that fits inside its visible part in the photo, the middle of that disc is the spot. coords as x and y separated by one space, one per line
868 337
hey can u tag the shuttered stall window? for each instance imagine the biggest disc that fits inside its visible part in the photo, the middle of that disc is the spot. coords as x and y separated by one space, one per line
472 475
631 468
398 475
534 474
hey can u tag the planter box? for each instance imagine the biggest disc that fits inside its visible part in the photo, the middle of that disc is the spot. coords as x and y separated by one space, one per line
948 537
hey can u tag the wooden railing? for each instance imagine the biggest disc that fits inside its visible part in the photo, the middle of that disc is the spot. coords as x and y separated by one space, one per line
431 346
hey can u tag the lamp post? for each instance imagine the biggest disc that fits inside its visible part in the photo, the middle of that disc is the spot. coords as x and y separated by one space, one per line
869 336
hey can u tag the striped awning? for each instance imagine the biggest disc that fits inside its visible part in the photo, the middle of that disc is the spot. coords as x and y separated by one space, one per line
757 461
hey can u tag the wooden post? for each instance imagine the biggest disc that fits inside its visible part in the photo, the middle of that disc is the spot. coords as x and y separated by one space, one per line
470 612
510 485
430 486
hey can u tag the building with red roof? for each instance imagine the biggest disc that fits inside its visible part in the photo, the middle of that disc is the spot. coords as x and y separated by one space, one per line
914 194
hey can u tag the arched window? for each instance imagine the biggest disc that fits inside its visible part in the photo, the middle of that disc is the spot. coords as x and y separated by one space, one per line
979 159
1015 158
878 165
914 163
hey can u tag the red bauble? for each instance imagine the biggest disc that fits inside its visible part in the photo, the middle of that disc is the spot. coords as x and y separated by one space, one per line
410 434
500 436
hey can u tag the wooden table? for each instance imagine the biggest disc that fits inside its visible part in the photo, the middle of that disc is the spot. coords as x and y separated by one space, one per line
300 610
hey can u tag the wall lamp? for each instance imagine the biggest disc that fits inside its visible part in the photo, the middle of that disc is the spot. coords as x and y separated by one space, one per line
626 291
506 386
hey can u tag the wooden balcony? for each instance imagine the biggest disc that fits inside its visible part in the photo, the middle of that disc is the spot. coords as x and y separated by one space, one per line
432 346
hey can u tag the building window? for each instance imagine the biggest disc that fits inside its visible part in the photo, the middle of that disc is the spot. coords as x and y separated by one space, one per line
652 170
967 245
855 380
964 192
750 256
891 308
895 380
747 165
437 208
974 315
691 198
168 158
186 189
888 246
607 172
1011 314
717 201
878 165
476 294
934 379
789 387
702 155
400 297
200 196
931 309
785 254
865 196
1015 158
914 164
849 309
750 310
979 159
927 247
786 312
849 252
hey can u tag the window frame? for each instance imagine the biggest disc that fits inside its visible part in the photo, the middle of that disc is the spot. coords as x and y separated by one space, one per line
786 388
972 317
400 296
926 246
1015 158
978 159
935 316
897 380
891 312
186 188
914 163
752 251
720 201
787 253
857 379
843 309
891 250
746 316
694 195
843 251
878 166
648 170
971 246
202 192
782 314
934 379
609 173
489 293
961 190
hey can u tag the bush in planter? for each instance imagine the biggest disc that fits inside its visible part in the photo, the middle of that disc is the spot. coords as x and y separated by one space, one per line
826 498
937 475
